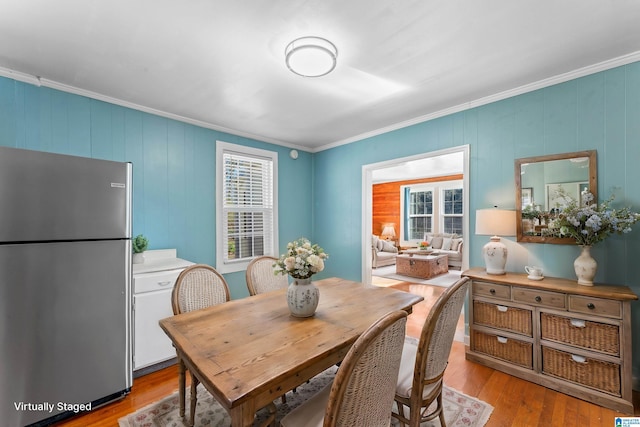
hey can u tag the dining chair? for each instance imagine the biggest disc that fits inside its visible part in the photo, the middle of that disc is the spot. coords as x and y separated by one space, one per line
197 286
425 360
362 391
261 278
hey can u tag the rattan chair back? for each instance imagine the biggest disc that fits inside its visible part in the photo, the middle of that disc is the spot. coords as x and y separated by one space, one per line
261 277
363 389
198 286
432 356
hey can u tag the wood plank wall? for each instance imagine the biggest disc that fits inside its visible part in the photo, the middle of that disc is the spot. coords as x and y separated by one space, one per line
386 201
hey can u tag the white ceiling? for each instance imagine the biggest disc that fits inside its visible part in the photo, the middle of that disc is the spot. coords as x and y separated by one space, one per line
220 63
427 167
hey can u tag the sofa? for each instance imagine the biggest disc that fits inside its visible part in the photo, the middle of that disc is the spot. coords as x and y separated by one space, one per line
449 244
383 252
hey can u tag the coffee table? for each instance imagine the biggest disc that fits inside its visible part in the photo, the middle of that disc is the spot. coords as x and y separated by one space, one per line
422 266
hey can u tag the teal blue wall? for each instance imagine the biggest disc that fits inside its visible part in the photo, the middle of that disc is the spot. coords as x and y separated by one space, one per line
321 194
600 111
173 165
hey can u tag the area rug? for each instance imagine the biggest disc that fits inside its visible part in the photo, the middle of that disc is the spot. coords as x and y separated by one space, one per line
460 409
444 280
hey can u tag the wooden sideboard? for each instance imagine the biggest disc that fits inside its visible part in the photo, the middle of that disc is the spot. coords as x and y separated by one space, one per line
571 338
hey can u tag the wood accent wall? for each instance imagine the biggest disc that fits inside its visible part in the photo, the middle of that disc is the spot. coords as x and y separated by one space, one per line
386 201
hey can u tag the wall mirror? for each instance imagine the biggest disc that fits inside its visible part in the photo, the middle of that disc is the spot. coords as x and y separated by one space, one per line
544 185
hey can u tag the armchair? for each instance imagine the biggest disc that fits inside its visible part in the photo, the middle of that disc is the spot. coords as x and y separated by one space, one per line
383 253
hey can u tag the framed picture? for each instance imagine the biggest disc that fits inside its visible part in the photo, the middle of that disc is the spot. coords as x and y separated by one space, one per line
561 194
527 196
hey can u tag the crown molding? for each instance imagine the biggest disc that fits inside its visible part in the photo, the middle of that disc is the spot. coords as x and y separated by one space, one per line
561 78
42 82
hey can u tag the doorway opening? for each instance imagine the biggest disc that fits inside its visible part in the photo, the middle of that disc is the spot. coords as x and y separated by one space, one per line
447 162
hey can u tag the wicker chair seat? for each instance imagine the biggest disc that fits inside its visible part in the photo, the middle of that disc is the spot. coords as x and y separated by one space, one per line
405 376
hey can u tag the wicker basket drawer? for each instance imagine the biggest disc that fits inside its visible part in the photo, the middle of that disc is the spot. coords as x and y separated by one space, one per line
503 317
487 289
509 349
582 333
598 374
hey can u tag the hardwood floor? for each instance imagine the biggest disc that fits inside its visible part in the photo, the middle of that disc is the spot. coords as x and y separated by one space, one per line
516 402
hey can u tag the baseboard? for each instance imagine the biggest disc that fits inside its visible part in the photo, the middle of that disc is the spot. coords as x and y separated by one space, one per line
155 367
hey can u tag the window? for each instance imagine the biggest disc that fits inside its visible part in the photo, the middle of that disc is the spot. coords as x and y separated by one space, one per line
452 210
245 209
434 207
420 214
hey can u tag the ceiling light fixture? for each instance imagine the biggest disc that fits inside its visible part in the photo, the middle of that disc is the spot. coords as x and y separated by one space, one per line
311 56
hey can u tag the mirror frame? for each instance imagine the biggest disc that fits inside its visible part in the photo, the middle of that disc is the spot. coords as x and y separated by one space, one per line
593 188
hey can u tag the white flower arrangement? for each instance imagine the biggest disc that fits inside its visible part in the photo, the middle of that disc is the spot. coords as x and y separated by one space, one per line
592 223
302 259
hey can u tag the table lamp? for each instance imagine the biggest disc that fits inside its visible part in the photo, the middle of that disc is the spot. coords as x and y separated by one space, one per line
495 222
388 231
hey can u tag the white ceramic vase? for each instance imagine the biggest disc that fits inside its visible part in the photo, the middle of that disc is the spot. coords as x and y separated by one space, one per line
138 258
302 297
585 267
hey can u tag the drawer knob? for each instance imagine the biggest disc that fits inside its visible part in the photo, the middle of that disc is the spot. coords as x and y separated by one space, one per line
502 340
165 283
492 291
538 299
591 306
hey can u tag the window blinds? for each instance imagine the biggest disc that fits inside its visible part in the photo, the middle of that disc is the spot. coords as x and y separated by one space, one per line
247 205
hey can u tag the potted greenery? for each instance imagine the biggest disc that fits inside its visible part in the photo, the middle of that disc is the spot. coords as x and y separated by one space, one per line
140 244
530 214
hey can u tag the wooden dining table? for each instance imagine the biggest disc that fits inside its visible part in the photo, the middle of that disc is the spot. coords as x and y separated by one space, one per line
248 352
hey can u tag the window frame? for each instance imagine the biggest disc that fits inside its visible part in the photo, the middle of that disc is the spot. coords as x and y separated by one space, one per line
450 185
434 206
437 218
222 148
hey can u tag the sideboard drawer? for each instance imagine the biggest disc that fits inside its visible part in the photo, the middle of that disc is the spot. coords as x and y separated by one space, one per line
509 349
598 374
491 290
538 297
581 333
597 306
503 317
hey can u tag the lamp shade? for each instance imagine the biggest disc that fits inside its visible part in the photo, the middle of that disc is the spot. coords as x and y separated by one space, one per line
495 222
388 231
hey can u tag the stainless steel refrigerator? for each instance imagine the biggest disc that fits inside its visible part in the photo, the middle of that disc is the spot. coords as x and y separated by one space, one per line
65 285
